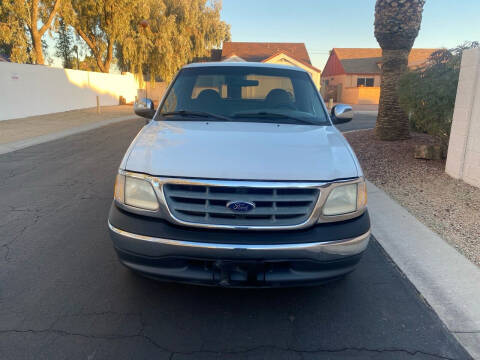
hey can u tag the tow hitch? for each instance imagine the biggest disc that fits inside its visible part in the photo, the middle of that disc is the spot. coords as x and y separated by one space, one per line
230 273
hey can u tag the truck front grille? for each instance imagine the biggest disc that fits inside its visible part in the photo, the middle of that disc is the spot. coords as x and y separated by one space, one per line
207 205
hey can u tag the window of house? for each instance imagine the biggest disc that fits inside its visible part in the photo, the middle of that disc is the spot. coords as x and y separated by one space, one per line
364 81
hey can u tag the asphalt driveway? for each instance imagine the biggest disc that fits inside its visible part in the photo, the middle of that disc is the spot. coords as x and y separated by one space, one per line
361 120
63 294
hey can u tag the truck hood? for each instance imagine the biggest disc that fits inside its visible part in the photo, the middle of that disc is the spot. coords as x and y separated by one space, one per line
241 151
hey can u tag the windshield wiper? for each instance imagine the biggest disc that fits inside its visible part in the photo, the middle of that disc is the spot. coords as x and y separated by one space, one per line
266 114
187 113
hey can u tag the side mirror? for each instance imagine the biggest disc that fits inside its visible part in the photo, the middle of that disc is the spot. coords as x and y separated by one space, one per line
144 108
341 114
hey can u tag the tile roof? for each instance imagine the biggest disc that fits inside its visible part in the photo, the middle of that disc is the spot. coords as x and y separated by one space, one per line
357 53
367 59
259 51
362 66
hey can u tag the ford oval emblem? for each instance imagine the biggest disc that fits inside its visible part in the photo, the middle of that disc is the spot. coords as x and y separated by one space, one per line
241 206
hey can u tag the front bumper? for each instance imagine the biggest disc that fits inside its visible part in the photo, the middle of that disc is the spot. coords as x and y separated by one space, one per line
242 258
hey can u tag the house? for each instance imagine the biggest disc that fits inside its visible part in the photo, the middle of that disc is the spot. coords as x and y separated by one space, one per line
352 76
294 54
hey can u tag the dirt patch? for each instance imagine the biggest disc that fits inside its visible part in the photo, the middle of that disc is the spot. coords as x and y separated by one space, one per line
449 207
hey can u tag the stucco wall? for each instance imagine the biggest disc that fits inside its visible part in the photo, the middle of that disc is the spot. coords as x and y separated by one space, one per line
337 79
360 95
350 93
349 96
350 80
27 90
463 160
368 95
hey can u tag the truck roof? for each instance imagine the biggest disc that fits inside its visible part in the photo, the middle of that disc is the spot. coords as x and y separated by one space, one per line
242 64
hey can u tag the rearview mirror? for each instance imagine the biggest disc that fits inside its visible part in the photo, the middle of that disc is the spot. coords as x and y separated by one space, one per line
144 108
244 83
341 113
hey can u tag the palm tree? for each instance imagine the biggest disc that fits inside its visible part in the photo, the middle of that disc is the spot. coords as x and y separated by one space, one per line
397 23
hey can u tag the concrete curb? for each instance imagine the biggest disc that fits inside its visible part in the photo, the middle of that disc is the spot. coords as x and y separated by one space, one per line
22 144
352 131
447 280
366 112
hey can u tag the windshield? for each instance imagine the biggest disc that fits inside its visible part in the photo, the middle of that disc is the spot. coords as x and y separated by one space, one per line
253 94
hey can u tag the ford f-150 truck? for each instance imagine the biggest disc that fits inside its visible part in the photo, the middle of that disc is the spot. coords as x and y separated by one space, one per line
240 178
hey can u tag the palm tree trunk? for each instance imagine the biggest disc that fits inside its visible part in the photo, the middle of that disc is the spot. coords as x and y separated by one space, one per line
397 24
392 122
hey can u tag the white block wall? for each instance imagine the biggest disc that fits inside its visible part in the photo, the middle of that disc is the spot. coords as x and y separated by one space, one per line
463 160
27 90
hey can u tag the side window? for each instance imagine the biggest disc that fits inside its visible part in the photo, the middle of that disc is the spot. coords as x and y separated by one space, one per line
265 85
210 82
171 101
362 81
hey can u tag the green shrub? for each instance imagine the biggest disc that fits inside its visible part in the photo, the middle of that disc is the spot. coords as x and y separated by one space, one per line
427 94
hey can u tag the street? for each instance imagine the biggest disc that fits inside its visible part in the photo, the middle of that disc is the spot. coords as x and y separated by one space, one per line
64 295
361 120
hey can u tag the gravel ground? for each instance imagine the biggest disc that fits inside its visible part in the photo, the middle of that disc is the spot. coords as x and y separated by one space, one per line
449 207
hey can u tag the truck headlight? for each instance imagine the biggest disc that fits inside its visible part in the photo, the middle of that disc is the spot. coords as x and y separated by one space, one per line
346 199
135 192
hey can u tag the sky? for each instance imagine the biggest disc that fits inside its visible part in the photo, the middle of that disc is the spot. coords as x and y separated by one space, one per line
325 24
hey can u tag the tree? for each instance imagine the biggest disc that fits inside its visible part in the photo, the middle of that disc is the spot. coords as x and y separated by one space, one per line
64 44
428 93
19 27
6 50
76 59
89 63
397 23
178 32
101 24
5 47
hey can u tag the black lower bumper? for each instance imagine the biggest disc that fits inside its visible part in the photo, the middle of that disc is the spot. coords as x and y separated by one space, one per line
239 273
238 258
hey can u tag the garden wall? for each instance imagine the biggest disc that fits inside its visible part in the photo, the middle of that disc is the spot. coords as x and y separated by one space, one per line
27 90
463 160
361 95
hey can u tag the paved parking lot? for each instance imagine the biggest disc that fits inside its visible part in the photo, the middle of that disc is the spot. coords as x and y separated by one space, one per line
63 294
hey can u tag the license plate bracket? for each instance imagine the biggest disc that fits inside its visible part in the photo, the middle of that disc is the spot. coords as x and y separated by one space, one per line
232 272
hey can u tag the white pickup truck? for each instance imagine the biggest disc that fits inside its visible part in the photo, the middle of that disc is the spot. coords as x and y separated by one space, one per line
240 178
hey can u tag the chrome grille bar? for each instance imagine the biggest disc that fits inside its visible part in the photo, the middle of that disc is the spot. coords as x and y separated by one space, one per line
207 204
